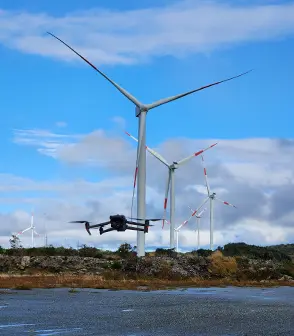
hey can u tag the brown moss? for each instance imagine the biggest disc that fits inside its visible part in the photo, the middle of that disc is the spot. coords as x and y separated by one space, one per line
95 281
222 266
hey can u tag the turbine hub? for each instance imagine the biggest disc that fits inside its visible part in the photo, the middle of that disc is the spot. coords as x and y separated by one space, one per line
174 165
140 109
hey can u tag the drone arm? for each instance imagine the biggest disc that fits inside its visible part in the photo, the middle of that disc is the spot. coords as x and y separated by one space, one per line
100 224
107 230
134 229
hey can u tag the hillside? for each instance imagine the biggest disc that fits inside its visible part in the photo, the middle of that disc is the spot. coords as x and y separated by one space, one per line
233 264
286 249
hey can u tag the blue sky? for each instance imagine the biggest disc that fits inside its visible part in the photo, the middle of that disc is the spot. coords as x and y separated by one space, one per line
40 87
39 91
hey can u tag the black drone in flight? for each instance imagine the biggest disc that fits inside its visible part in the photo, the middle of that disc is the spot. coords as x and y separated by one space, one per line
119 223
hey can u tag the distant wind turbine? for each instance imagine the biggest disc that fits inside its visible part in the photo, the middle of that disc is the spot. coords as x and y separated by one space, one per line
198 225
32 228
211 197
170 187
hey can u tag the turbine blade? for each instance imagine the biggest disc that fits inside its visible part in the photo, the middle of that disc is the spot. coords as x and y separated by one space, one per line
118 87
134 187
205 175
21 232
166 196
226 203
151 151
184 223
196 154
201 212
201 205
135 176
170 99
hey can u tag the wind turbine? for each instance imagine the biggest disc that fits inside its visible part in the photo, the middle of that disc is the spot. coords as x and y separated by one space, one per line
170 187
177 230
141 112
198 225
211 197
32 228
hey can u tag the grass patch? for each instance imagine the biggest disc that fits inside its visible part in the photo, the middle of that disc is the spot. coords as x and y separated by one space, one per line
22 287
27 282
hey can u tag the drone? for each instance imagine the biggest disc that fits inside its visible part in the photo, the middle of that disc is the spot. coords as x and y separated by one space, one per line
119 223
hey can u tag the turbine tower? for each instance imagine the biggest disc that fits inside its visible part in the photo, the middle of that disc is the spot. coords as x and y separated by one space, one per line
198 225
211 197
141 112
170 187
32 228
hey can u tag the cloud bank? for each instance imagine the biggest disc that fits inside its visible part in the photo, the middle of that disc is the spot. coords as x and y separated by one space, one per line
256 175
131 36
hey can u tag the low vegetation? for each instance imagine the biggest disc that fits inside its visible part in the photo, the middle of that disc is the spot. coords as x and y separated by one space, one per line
235 264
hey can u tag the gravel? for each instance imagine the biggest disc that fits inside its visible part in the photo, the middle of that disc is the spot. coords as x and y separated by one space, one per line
192 312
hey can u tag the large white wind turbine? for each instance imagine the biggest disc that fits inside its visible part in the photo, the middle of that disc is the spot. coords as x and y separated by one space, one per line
141 112
170 186
211 197
198 225
32 228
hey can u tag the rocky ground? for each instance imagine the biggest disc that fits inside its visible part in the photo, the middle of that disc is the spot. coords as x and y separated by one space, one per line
179 267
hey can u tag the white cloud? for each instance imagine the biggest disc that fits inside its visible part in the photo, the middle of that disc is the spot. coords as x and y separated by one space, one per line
120 122
129 36
254 174
46 141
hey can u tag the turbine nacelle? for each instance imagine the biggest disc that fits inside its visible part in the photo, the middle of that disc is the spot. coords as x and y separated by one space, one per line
174 165
140 109
212 196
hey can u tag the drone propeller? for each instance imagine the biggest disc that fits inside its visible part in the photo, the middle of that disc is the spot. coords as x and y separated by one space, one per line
87 225
148 219
80 221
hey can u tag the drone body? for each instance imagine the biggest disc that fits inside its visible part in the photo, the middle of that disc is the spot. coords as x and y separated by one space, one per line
119 223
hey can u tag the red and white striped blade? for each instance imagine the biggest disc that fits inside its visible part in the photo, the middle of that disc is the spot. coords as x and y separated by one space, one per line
226 203
184 223
166 196
194 212
135 177
21 232
151 151
197 211
196 154
205 175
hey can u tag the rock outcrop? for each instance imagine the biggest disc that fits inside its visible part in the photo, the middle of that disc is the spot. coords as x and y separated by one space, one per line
177 267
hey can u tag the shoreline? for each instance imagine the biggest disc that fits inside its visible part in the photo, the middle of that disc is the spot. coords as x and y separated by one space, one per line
17 281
